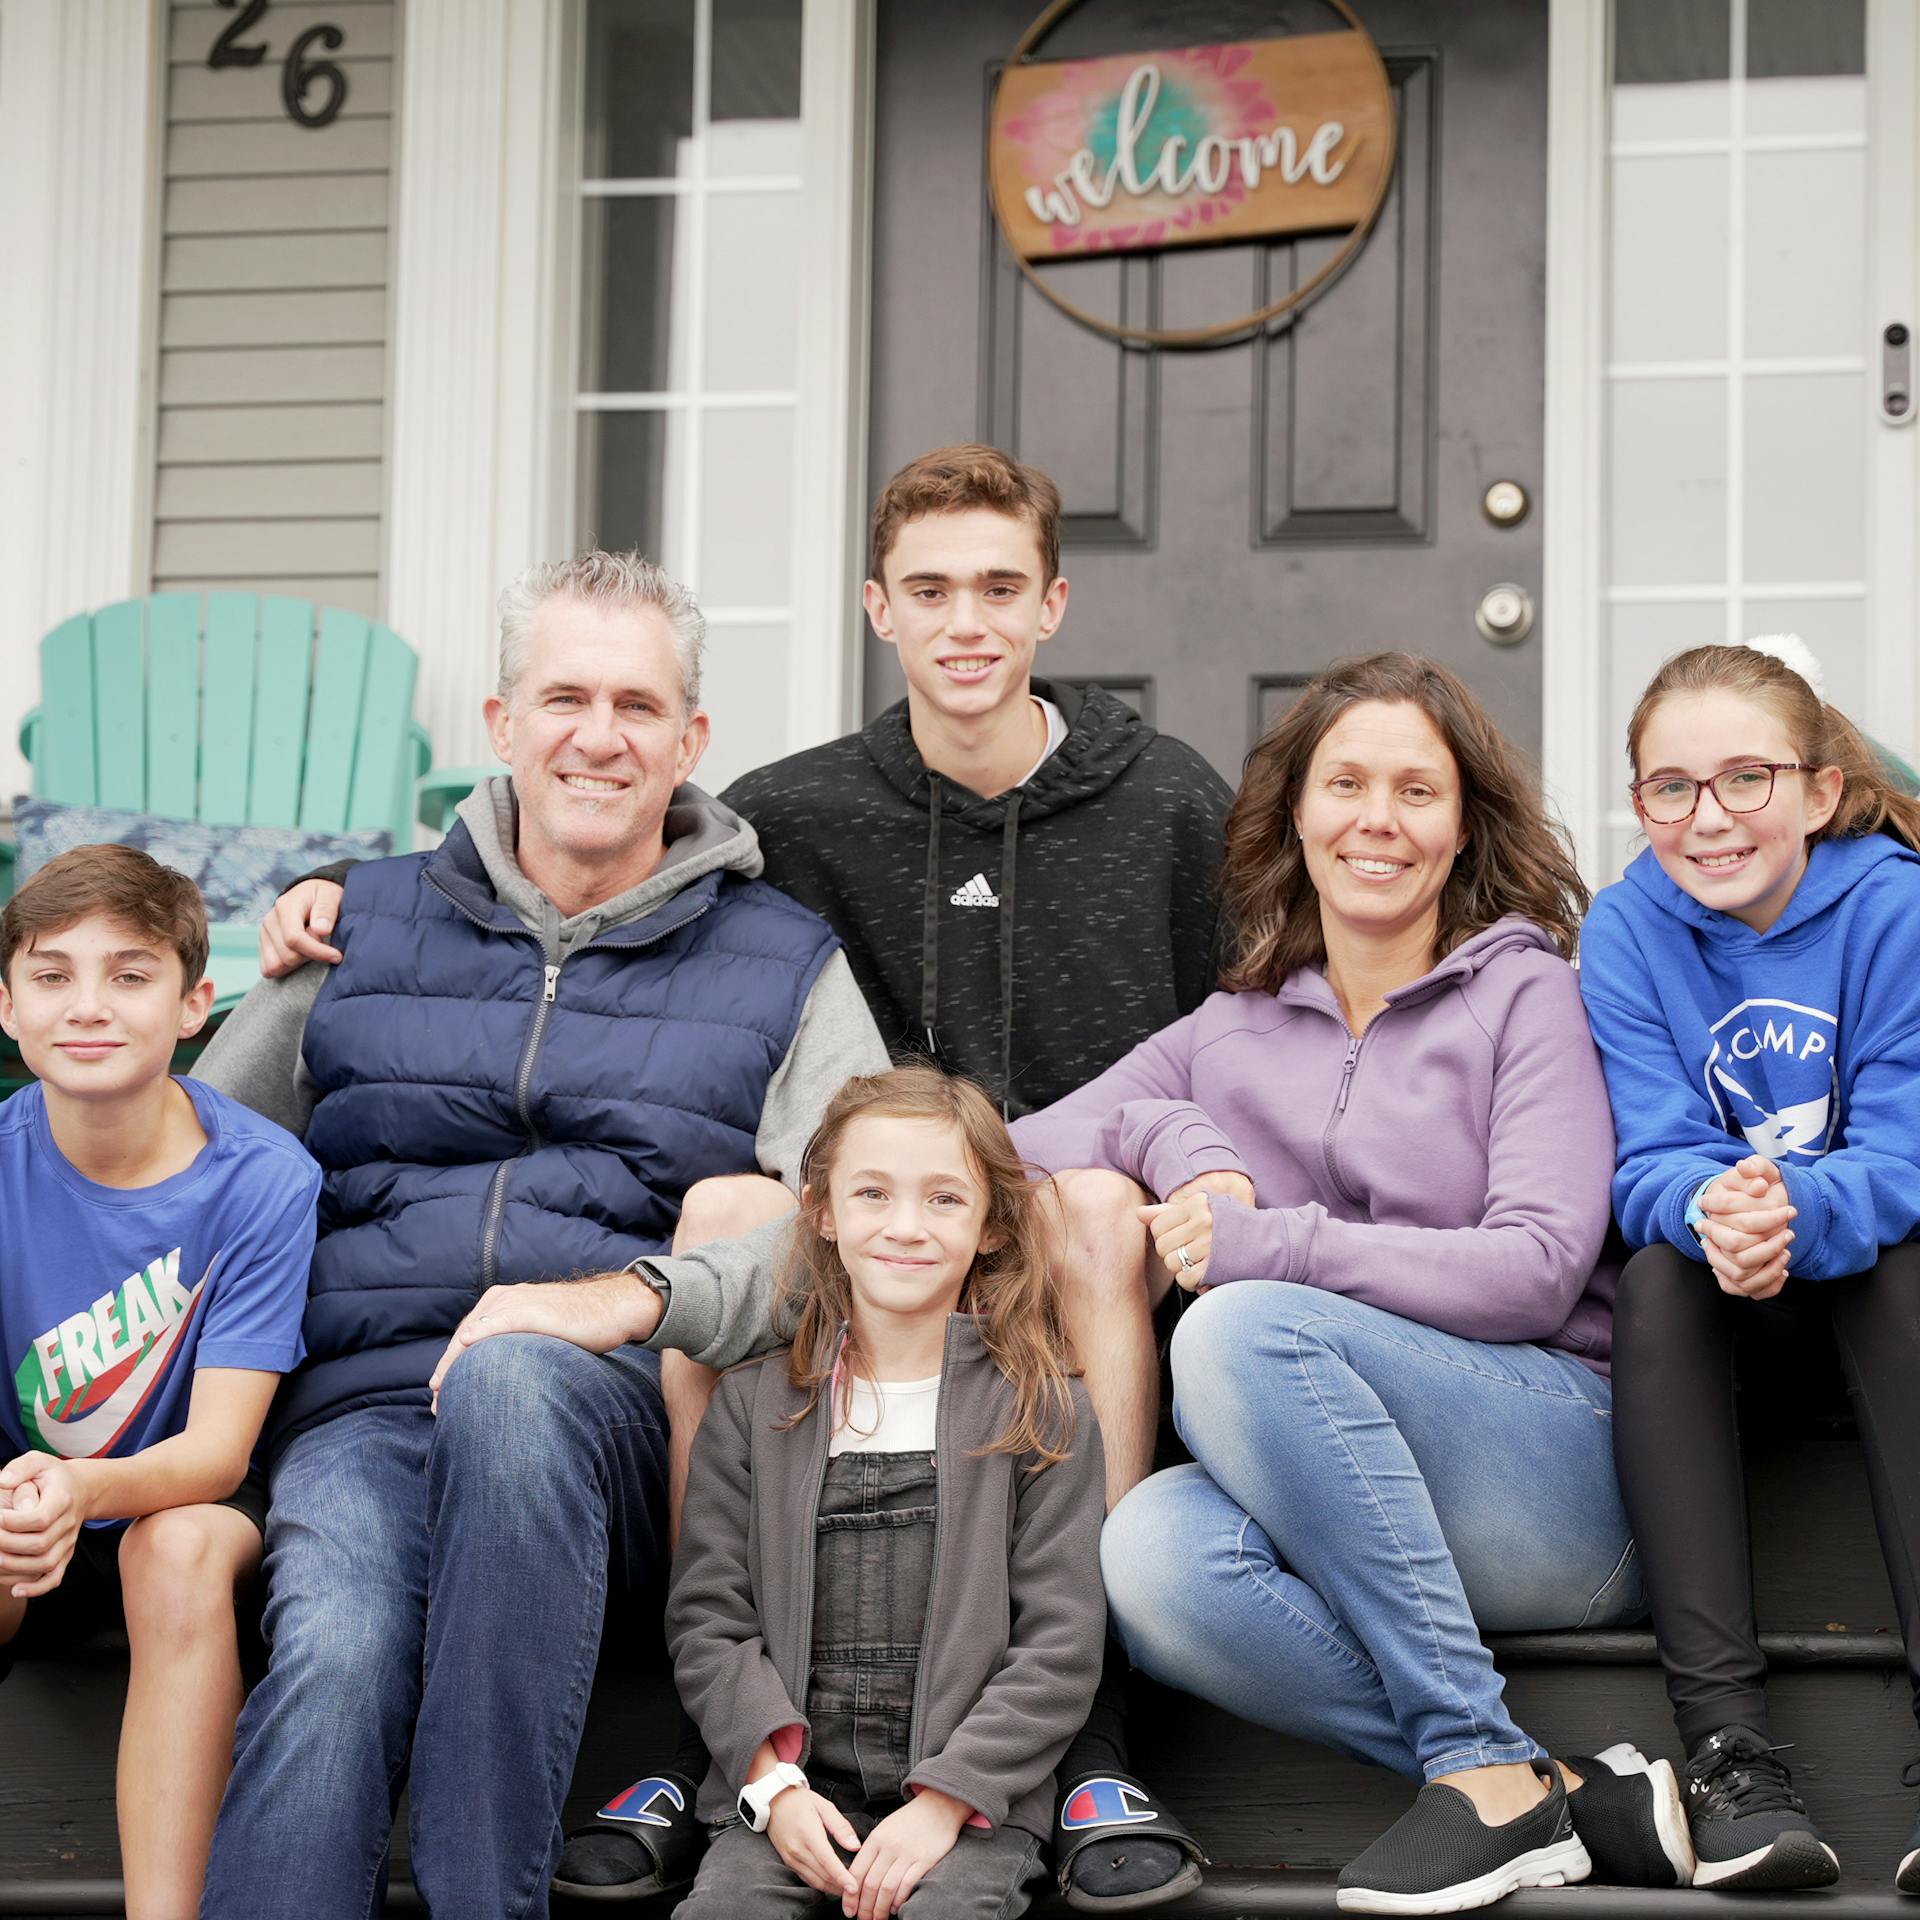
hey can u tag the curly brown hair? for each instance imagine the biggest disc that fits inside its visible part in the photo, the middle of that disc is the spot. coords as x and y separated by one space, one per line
1516 858
1011 1286
1871 796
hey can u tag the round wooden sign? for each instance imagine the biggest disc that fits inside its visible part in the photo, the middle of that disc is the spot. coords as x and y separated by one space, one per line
1198 145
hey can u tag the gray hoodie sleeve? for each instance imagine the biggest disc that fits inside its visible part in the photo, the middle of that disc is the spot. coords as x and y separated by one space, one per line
720 1302
257 1058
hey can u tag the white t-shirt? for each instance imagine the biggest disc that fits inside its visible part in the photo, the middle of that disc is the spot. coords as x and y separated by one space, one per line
1056 732
891 1416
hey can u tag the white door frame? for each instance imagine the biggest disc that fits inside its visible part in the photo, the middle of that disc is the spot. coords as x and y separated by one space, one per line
1573 498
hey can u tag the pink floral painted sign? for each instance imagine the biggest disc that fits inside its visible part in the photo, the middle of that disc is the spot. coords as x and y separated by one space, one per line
1137 151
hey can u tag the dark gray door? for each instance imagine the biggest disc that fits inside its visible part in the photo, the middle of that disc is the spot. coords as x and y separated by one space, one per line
1237 516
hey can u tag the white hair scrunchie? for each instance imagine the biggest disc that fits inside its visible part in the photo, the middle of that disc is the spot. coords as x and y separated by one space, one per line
1793 653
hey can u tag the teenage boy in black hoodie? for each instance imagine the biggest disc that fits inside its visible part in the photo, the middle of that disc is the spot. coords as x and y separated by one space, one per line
1023 875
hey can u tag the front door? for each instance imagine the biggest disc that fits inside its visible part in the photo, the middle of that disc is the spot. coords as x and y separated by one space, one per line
1238 516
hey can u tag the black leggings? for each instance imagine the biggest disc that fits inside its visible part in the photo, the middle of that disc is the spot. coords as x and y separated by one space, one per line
1677 1445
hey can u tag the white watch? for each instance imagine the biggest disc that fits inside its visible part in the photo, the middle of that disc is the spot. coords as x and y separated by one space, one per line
757 1796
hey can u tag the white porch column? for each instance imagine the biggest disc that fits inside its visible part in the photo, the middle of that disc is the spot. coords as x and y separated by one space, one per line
473 389
79 99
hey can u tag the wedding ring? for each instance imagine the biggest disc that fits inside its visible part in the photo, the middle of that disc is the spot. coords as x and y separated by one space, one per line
1184 1257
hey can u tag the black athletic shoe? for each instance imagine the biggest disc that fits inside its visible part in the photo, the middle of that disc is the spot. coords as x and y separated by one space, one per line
1441 1857
1906 1878
1750 1829
1630 1820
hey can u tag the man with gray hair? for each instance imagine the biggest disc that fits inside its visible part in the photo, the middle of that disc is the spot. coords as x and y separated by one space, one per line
539 1036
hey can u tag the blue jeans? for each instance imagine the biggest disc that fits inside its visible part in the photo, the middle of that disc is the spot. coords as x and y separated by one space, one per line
435 1594
1367 1489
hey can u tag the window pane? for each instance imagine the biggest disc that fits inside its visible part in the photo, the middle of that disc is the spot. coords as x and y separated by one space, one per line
746 507
1671 40
754 106
633 484
743 685
1667 491
1805 36
1669 257
1806 252
1806 477
753 264
628 340
638 111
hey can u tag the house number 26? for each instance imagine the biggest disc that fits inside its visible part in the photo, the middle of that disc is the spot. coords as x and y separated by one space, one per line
298 75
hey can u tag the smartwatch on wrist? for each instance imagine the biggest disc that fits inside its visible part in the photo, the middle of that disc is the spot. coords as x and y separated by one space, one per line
757 1796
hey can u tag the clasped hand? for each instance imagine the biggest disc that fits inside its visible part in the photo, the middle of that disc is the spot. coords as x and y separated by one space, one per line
1183 1224
1747 1233
41 1513
805 1828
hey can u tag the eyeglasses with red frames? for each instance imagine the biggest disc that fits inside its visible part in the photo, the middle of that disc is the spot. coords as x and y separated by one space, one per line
1669 798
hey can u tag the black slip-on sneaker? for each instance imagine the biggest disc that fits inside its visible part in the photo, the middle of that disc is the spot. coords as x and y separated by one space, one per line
1441 1857
1750 1829
1630 1820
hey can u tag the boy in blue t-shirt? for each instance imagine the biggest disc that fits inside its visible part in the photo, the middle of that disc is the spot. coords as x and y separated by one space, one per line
154 1245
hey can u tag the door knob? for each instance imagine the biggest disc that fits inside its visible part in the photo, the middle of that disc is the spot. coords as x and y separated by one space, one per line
1505 614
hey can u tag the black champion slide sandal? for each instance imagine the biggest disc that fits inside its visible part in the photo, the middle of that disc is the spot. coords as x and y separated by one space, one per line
1111 1811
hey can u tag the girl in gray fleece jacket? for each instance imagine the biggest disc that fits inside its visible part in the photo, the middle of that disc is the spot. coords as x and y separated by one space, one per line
889 1565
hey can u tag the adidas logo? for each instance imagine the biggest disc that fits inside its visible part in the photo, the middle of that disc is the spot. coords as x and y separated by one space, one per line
976 893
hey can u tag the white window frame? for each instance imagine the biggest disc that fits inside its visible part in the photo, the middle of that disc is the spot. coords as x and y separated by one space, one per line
480 418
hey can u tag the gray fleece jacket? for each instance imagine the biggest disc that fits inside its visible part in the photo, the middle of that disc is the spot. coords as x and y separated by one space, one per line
718 1307
1016 1618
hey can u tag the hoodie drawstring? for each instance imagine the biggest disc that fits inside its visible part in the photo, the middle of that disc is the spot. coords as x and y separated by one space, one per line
1009 843
930 921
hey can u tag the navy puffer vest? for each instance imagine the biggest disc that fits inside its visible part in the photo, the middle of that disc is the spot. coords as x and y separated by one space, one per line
486 1118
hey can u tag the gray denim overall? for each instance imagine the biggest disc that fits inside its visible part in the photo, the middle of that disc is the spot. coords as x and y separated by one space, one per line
872 1565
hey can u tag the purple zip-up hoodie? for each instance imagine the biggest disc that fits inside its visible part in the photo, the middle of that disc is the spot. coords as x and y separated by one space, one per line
1451 1164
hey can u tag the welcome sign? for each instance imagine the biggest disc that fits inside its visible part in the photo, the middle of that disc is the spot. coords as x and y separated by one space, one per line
1191 145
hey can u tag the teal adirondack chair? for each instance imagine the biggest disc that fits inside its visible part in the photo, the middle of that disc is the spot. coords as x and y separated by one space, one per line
235 709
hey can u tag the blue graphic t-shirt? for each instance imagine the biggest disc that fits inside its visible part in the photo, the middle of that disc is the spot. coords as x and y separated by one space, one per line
111 1297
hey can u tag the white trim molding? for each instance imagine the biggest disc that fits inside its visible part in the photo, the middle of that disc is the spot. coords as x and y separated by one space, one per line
473 382
1578 72
79 112
830 420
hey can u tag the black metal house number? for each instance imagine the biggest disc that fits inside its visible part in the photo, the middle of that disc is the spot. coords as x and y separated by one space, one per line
298 74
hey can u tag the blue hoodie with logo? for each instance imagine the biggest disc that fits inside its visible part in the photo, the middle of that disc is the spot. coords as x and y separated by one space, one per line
1801 1043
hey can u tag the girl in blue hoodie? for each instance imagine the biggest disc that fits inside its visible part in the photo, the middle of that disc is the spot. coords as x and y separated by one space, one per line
1754 986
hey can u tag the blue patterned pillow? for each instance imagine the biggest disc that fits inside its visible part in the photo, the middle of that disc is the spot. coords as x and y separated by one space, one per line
240 871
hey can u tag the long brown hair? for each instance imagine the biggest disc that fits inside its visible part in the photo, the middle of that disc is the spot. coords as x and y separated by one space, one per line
1871 799
1515 860
1011 1285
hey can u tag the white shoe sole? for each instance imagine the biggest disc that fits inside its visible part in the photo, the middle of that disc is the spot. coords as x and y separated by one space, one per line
1906 1877
1558 1865
1669 1815
1791 1863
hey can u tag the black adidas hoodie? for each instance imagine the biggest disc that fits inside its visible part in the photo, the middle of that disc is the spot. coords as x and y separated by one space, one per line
1029 940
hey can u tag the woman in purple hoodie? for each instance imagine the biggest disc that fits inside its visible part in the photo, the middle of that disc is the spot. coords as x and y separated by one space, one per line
1381 1156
